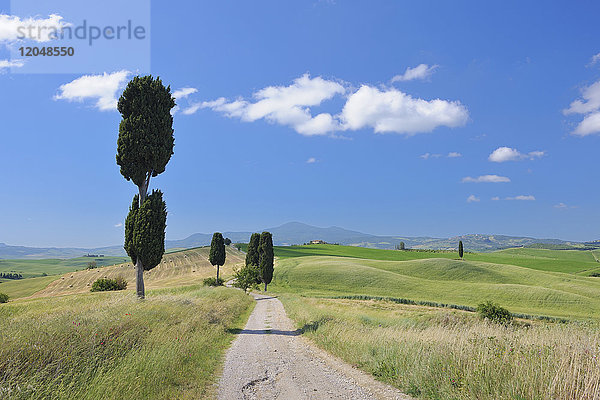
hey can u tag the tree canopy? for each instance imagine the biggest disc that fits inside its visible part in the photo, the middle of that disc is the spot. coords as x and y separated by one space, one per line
145 230
265 249
146 141
252 254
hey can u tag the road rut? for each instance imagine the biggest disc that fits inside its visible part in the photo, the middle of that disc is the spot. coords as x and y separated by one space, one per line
270 360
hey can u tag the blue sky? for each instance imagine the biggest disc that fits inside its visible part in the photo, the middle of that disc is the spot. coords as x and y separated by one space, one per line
325 112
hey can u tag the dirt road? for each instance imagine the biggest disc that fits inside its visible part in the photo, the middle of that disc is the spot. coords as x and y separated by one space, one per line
270 360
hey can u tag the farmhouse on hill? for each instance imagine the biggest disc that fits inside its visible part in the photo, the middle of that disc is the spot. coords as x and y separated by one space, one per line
318 242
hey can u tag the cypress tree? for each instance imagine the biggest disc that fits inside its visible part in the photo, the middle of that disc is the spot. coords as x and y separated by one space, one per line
460 249
217 252
144 148
252 256
265 249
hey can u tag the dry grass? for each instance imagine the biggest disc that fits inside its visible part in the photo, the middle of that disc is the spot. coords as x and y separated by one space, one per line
176 269
113 346
441 354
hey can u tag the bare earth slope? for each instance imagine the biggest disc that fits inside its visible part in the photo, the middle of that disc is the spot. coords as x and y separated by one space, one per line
270 360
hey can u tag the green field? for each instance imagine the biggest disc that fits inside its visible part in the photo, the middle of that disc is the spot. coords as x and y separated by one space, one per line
32 268
25 287
111 345
523 280
570 261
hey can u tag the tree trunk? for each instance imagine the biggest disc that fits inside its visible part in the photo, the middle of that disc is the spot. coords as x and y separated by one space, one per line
139 281
265 286
217 275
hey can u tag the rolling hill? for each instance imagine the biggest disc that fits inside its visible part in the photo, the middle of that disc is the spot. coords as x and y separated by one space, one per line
294 233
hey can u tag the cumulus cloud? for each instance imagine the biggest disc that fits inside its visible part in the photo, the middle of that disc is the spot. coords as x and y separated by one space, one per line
473 199
495 198
311 160
383 110
503 154
11 63
13 28
595 59
284 105
589 106
454 154
394 111
184 92
486 179
101 88
522 198
421 71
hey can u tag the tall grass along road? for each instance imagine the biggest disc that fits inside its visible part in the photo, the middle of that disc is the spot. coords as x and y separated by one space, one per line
269 360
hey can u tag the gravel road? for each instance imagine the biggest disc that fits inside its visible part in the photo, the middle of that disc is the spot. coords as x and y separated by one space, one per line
270 360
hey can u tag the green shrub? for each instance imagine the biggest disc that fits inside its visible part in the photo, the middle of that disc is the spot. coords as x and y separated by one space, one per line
3 298
494 313
105 284
247 277
213 282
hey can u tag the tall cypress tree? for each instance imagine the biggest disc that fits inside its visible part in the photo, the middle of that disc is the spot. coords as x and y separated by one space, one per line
144 148
460 249
252 256
265 250
217 252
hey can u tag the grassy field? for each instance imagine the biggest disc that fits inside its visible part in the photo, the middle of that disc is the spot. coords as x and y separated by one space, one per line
569 261
520 289
447 354
25 287
32 268
176 269
110 345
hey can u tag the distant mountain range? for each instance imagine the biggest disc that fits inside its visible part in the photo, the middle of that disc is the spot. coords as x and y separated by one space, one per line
299 233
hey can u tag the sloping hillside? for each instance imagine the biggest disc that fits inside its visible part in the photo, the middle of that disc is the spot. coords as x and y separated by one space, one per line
523 290
176 269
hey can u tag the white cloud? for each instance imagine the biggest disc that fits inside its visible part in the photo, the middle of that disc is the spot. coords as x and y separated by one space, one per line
13 28
594 59
184 92
473 199
588 106
394 111
486 179
495 198
385 110
120 224
427 156
589 125
421 71
284 105
503 154
522 198
311 160
11 63
102 88
452 154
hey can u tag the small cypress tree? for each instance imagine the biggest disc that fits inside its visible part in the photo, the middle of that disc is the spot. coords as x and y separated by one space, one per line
402 246
252 256
145 235
265 249
217 251
460 249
